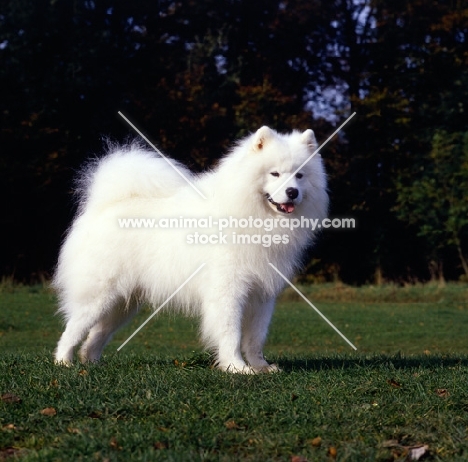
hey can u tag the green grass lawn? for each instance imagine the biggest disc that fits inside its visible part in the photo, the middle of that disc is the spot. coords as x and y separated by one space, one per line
158 398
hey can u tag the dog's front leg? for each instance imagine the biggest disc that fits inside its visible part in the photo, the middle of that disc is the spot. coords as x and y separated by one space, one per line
256 320
221 329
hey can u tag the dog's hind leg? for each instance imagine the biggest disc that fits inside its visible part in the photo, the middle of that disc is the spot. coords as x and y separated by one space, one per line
82 313
78 325
101 333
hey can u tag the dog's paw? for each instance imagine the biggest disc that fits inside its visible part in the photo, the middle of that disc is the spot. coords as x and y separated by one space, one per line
267 369
237 369
63 362
249 370
273 368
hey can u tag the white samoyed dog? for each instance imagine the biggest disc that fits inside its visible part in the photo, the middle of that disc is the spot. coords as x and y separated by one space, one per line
106 271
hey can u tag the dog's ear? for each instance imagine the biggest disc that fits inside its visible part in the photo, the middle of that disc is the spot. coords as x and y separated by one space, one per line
308 137
261 137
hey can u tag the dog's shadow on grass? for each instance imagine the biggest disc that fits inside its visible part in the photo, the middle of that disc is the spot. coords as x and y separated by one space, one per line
204 360
319 363
395 361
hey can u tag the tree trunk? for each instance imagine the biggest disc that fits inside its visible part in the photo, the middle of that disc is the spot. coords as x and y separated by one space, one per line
436 270
378 278
462 259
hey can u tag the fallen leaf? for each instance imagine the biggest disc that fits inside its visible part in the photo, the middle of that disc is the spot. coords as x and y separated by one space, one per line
159 445
10 398
400 451
8 452
231 425
394 383
114 444
72 430
316 442
416 452
442 392
9 427
83 372
332 452
49 411
298 459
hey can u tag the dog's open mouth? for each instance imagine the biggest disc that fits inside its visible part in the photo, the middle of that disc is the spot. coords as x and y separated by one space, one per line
287 207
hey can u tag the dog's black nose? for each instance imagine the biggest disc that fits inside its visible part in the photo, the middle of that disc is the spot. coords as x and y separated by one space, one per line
292 193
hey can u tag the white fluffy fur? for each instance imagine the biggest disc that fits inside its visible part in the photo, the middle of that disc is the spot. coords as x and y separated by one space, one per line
104 272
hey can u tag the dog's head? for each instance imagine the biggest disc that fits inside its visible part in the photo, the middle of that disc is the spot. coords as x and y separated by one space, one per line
289 167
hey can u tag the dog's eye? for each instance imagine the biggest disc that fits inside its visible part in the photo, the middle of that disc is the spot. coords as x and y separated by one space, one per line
299 175
275 174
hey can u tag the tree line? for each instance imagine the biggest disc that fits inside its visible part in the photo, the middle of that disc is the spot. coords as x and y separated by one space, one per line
195 76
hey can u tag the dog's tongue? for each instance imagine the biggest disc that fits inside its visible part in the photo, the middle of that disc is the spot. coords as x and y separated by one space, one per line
288 207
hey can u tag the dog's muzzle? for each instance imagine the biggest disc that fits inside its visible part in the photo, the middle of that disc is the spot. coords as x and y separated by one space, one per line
286 207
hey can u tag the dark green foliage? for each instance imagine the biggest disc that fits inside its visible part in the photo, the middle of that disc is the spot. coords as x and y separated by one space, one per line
437 199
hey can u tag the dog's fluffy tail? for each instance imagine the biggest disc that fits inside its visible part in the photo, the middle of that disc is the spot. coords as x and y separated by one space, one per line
126 172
